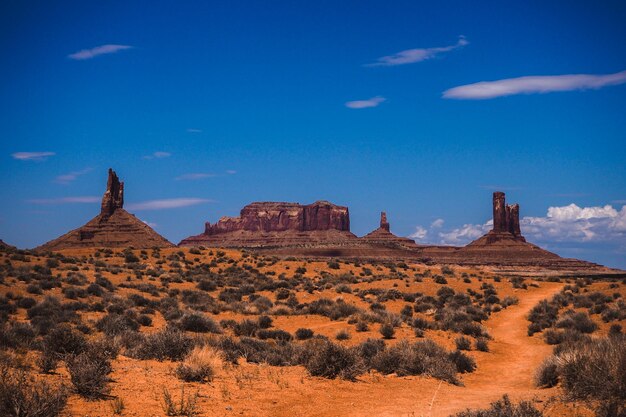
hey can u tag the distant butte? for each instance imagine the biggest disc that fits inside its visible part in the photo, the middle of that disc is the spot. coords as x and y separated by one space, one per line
114 227
383 236
267 224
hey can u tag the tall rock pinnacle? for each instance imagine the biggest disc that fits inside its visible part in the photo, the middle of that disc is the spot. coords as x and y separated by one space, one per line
114 195
499 212
384 224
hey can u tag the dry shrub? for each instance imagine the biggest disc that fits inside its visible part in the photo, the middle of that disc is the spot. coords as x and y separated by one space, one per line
22 395
595 371
504 408
200 365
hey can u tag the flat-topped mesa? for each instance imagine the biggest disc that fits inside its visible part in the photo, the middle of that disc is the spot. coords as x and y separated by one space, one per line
113 197
263 224
280 217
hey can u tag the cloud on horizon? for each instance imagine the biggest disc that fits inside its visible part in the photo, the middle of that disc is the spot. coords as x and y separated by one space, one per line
533 84
561 224
167 203
84 54
157 155
363 104
32 156
65 200
71 176
410 56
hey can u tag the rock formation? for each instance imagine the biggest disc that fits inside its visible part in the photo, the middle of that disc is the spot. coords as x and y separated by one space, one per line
506 224
114 227
382 236
278 224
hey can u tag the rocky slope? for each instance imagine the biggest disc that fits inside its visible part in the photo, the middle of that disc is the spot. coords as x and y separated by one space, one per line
114 227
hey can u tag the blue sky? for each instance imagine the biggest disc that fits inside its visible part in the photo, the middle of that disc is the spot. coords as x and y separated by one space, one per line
203 107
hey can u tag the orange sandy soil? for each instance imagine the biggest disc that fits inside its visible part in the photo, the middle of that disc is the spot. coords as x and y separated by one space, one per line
262 390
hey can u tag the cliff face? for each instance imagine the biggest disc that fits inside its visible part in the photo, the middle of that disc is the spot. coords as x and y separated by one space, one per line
278 224
280 217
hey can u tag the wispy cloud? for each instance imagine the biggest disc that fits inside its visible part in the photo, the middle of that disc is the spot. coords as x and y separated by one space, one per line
195 176
71 176
419 234
363 104
167 203
411 56
231 171
192 130
65 200
32 156
157 155
533 84
98 50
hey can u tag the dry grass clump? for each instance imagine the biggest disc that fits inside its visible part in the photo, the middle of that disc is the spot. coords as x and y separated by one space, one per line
21 395
201 365
504 408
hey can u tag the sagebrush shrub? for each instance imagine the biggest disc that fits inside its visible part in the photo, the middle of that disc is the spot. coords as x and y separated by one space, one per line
504 408
23 396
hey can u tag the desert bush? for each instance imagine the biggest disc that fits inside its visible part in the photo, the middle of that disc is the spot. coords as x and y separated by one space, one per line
169 343
553 336
542 316
464 363
201 364
361 326
246 327
463 343
275 334
199 323
304 334
577 320
422 357
114 323
482 344
23 396
387 330
26 302
595 371
265 322
16 335
547 374
342 335
504 408
330 360
88 374
64 340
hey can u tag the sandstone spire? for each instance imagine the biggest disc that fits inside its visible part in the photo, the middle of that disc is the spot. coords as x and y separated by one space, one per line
384 224
113 197
499 212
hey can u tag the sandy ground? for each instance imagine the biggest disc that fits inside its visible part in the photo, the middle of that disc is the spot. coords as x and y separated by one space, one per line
255 390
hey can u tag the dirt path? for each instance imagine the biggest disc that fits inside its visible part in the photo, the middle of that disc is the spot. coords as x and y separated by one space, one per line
507 369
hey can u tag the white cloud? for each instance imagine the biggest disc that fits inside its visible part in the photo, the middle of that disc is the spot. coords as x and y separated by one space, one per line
570 224
464 234
362 104
65 200
194 176
192 130
411 56
437 224
167 203
231 171
98 50
70 176
533 84
577 224
419 234
153 225
32 156
158 155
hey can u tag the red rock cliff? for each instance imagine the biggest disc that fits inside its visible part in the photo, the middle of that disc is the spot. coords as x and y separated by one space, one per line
278 217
